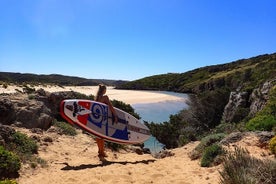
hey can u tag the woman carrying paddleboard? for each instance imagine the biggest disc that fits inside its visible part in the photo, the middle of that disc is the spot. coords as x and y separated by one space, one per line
101 97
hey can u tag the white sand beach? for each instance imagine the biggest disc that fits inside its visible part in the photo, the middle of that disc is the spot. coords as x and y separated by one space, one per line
127 96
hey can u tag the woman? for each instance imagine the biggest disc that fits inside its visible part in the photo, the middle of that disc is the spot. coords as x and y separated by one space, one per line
101 97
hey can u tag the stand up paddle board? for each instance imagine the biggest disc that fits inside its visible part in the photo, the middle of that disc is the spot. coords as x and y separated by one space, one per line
96 118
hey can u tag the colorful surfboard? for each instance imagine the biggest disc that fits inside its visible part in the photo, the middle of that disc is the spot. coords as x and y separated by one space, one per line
96 118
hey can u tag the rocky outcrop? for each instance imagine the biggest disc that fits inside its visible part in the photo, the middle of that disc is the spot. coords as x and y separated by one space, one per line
260 96
54 99
19 109
32 114
37 110
242 104
6 133
7 111
263 137
237 101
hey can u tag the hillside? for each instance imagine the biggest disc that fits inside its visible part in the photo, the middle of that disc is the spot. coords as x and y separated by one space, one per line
244 73
236 96
54 79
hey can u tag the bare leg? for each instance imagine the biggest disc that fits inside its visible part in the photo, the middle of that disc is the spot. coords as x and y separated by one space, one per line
100 143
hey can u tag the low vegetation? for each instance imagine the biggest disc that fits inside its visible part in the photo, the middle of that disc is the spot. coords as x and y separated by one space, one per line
23 146
28 89
9 163
272 145
240 167
210 154
18 148
7 181
19 78
262 123
208 141
65 128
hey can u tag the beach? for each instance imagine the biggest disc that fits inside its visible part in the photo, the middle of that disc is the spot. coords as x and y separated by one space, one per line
127 96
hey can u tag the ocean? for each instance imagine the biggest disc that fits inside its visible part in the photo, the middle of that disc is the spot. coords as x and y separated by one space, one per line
158 113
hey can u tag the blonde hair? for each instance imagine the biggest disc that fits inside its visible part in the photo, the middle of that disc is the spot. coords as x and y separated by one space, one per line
100 92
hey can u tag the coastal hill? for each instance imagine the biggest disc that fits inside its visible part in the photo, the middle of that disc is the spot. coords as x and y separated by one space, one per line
244 73
56 79
236 96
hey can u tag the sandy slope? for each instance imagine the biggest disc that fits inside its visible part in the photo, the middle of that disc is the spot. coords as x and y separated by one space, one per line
74 160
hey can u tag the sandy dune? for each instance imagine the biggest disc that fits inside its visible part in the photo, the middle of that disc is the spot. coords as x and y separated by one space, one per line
73 160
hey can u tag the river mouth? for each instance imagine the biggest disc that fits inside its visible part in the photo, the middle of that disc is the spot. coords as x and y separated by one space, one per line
160 112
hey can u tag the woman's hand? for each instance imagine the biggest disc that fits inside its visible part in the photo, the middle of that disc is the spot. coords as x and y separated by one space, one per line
116 119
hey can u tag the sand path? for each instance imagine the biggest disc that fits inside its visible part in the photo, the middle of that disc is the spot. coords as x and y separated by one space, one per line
74 160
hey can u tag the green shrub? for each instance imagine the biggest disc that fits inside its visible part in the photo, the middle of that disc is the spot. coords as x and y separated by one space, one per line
114 146
272 145
240 114
83 96
65 128
270 107
209 154
31 96
27 89
226 128
41 162
8 182
183 140
5 85
36 161
209 140
204 143
9 163
239 167
262 123
265 120
22 145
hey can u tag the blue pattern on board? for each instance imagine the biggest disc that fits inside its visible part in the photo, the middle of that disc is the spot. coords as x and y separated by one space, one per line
121 134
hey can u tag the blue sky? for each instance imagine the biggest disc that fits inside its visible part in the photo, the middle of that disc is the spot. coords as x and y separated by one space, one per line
131 39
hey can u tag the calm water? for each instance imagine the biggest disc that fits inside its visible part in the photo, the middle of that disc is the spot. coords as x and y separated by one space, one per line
158 113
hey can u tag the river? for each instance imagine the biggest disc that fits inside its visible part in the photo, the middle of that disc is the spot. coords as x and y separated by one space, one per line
160 112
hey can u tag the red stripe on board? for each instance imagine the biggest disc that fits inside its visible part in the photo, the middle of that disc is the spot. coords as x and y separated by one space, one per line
85 104
83 118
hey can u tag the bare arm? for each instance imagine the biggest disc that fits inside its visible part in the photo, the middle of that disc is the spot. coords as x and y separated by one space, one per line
107 101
